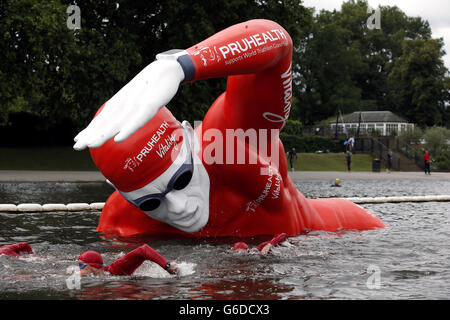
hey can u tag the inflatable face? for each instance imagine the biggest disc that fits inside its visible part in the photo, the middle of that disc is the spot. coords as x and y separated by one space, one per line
179 196
158 171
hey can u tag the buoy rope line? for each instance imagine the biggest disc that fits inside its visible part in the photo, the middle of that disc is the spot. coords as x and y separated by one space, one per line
51 207
400 199
98 206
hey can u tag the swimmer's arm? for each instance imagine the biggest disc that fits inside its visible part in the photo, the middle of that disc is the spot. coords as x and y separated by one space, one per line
16 249
278 239
127 264
22 247
265 246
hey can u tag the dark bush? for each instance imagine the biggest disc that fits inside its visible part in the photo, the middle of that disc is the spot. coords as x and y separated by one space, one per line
311 143
442 160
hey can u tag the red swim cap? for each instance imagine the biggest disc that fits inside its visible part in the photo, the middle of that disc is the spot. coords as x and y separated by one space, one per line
240 246
144 156
92 258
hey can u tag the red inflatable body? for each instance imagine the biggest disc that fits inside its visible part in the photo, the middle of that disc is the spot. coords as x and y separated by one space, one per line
256 57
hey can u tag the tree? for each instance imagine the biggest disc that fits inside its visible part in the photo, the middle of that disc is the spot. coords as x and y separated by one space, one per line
418 82
31 75
324 81
347 66
53 74
411 135
437 139
293 127
54 77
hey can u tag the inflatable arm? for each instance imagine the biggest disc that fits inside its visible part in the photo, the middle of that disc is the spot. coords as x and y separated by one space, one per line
236 50
249 48
256 56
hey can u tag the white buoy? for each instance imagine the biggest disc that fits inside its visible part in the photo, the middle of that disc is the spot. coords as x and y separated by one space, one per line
51 207
78 207
8 207
97 206
54 207
29 207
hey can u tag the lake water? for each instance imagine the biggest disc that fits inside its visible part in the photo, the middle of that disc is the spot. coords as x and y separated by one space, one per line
407 260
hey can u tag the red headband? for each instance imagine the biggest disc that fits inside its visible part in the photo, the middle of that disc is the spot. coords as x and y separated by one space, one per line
144 156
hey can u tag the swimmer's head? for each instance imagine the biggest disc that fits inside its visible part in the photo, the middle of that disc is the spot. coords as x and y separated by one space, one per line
91 258
240 246
337 181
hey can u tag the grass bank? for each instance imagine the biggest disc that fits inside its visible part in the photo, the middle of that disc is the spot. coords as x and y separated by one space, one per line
332 162
46 158
67 159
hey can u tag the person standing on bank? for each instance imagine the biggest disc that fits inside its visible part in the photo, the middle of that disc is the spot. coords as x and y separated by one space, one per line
426 160
348 158
389 161
351 144
292 156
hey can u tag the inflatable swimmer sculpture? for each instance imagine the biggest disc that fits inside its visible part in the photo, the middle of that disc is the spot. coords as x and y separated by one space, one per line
171 179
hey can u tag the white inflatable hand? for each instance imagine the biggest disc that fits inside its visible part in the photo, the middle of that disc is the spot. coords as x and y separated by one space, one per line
135 104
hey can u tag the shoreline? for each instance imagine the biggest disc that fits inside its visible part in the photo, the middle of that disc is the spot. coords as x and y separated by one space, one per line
368 175
50 176
96 176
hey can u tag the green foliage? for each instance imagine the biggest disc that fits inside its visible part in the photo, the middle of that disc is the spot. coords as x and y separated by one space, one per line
33 36
293 127
55 73
436 142
375 133
418 82
393 133
411 135
59 76
311 143
436 139
349 67
442 160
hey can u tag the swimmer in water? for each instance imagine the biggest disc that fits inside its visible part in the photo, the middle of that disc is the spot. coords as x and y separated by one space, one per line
16 249
91 262
263 248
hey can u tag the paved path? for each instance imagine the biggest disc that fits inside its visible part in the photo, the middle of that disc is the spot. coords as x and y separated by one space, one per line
50 176
331 175
86 176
